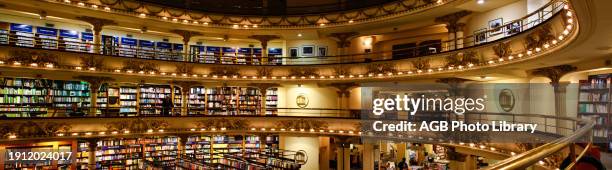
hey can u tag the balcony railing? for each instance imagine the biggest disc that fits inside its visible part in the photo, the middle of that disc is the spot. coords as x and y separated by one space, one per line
484 36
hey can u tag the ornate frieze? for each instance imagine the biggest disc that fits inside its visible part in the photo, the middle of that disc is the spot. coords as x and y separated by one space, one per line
31 56
462 58
302 124
139 65
381 68
228 124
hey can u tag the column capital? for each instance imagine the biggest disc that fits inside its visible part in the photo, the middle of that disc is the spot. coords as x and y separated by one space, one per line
264 39
97 23
554 73
186 34
344 88
452 20
343 38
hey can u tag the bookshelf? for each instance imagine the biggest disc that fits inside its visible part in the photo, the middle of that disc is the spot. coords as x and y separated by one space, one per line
24 35
595 103
244 56
47 37
19 164
249 102
198 54
272 101
82 155
197 101
257 56
21 97
177 100
164 49
160 151
119 154
128 101
212 53
151 97
199 148
275 56
102 98
66 94
146 49
229 54
69 40
177 52
221 101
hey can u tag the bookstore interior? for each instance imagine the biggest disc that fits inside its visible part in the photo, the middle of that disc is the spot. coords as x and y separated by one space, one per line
308 85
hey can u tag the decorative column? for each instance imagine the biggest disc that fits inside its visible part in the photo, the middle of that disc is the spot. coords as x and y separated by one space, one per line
186 38
455 29
264 39
344 91
263 89
368 156
343 158
97 24
94 86
343 40
459 28
91 156
182 145
555 73
185 89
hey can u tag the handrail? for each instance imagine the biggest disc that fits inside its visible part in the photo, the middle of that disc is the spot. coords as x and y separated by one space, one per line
532 156
484 37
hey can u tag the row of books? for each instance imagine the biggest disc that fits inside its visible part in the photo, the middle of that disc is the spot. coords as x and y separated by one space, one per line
593 108
594 97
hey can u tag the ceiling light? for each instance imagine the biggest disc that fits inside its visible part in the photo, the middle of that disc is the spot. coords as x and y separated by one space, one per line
322 24
143 15
94 6
107 8
351 21
254 26
165 18
81 4
174 19
299 35
235 26
480 1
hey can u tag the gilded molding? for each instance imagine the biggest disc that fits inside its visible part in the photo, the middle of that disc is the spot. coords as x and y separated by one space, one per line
303 72
462 58
31 56
554 73
138 125
381 68
302 124
228 124
33 129
225 71
502 49
539 37
139 65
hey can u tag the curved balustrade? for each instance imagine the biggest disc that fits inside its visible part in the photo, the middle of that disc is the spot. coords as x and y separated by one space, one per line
557 133
444 48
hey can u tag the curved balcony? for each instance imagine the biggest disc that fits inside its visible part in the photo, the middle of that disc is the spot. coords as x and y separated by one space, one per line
535 38
558 133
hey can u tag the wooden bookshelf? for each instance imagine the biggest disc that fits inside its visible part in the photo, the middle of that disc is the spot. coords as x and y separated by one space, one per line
151 98
197 101
128 101
595 103
272 101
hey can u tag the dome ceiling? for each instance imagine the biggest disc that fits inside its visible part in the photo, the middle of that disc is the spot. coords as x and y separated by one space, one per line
269 7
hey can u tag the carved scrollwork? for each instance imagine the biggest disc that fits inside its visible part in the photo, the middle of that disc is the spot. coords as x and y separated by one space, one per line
421 64
33 129
302 124
92 61
229 124
462 58
138 125
381 68
539 37
184 68
264 71
28 57
225 71
303 72
502 49
137 66
342 70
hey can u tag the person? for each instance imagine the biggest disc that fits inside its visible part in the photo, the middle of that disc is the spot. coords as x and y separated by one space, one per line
75 110
166 106
402 165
